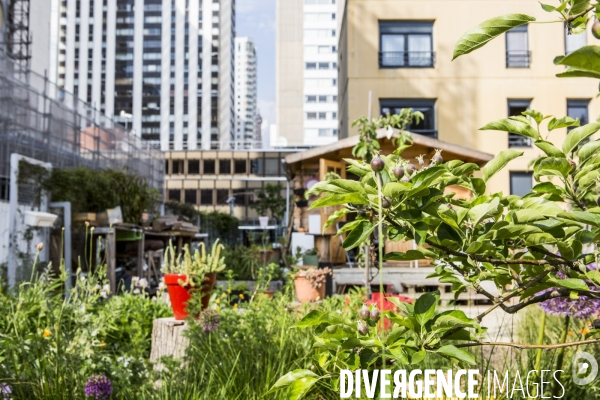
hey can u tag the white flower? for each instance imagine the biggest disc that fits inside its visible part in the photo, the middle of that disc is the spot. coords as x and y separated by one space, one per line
162 286
143 283
136 291
106 288
135 280
104 294
97 287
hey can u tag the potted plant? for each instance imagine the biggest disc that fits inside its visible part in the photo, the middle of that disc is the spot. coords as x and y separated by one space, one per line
197 273
310 283
311 258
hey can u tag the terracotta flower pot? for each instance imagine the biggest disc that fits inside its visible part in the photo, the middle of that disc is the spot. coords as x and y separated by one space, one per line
305 293
180 295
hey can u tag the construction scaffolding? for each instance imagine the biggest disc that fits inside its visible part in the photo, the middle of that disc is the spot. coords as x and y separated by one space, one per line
18 40
41 121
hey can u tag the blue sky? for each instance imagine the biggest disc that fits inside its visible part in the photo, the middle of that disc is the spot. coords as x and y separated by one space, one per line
256 19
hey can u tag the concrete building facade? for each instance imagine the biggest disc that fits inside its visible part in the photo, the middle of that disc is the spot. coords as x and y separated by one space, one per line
246 102
306 103
401 50
162 67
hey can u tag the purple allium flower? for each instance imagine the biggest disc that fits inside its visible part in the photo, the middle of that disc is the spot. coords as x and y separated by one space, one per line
582 308
98 387
5 391
209 320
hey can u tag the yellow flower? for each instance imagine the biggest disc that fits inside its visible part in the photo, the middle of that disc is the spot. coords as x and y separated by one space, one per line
218 301
241 296
229 291
218 308
235 306
223 294
47 333
585 331
570 332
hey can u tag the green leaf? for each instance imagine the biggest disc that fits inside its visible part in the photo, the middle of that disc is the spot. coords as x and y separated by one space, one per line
537 116
338 331
394 189
553 166
579 6
465 169
571 283
548 148
339 199
311 319
454 352
482 211
358 235
425 307
292 377
588 150
578 73
418 357
455 319
512 126
564 122
410 255
478 36
499 162
335 216
586 58
578 134
300 387
478 186
582 217
548 7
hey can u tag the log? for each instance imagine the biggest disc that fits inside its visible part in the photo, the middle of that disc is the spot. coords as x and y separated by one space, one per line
168 339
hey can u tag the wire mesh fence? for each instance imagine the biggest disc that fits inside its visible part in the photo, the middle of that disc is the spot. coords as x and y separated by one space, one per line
40 120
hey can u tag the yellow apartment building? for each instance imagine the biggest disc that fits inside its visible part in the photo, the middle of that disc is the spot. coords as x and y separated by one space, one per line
401 50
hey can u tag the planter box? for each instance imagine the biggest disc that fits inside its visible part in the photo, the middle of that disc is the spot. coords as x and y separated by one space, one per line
40 219
310 260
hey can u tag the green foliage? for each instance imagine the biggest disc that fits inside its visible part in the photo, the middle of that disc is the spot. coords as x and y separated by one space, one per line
581 63
529 247
270 200
94 190
50 345
368 144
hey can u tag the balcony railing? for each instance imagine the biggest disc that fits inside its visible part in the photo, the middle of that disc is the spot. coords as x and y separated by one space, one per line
518 59
406 59
515 140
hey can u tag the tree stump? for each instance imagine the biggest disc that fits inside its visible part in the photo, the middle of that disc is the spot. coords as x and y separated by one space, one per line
168 339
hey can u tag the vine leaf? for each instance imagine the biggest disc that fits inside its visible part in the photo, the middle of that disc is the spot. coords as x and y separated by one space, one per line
480 35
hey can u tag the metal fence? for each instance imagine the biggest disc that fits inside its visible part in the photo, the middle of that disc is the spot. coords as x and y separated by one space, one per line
42 121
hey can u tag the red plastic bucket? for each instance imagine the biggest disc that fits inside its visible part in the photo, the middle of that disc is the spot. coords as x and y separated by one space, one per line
180 295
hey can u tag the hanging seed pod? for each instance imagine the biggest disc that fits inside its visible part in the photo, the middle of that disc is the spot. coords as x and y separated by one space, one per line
364 312
386 202
410 169
437 157
374 314
399 172
377 164
596 29
363 329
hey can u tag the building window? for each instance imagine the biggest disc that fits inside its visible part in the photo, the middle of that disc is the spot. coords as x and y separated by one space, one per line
190 196
324 132
516 108
574 42
311 99
209 167
222 196
256 166
194 167
517 48
311 65
272 166
406 44
322 99
166 167
578 109
224 166
425 127
323 65
322 116
239 166
175 194
177 166
521 183
206 197
311 115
